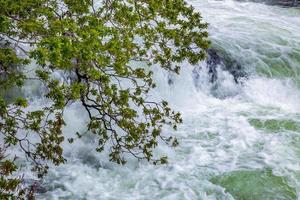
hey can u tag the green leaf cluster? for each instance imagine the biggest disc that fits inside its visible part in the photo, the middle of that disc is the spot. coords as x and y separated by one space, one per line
9 183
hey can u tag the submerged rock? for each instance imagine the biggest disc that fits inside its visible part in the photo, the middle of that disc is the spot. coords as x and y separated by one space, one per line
213 60
256 185
220 75
231 65
217 58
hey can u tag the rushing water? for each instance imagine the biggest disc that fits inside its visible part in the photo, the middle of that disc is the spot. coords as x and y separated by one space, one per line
238 141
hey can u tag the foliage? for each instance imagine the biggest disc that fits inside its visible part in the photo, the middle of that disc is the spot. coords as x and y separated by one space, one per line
108 49
9 184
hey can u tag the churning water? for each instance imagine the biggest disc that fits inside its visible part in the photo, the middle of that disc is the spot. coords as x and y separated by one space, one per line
238 141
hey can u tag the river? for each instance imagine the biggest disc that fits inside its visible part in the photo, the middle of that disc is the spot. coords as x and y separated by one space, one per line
238 140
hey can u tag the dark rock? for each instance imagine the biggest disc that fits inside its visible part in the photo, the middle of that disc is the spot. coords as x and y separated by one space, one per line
285 3
218 58
213 60
233 66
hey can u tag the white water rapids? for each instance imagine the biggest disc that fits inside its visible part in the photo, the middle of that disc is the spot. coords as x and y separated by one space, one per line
245 145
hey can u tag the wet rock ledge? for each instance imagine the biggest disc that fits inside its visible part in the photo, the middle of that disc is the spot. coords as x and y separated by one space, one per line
285 3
